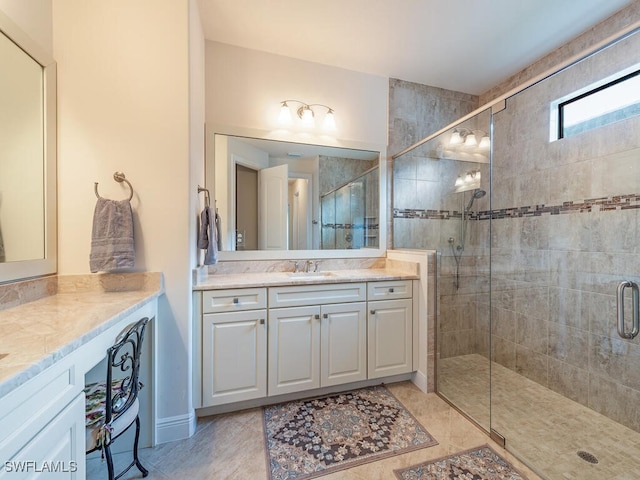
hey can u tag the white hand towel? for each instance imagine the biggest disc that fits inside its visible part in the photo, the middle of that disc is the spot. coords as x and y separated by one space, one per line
112 245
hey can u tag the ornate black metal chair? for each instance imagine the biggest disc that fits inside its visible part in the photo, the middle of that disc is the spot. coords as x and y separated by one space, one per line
113 406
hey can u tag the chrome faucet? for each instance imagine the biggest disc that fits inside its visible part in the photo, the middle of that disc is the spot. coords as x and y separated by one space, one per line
307 266
296 266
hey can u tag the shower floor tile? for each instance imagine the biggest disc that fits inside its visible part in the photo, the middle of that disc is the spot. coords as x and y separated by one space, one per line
543 428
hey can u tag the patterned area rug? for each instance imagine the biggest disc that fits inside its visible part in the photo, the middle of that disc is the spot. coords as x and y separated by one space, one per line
481 463
309 438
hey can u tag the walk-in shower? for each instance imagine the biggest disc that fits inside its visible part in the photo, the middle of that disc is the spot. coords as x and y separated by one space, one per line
537 264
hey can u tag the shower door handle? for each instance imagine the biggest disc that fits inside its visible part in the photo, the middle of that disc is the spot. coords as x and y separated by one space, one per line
635 291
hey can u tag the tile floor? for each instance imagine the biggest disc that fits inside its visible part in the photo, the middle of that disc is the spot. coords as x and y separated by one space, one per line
541 426
231 446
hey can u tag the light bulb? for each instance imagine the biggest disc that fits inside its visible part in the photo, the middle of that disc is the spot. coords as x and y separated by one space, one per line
307 117
485 142
455 139
459 182
470 141
329 121
285 114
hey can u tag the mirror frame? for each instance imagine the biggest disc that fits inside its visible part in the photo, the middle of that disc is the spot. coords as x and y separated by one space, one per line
13 271
212 130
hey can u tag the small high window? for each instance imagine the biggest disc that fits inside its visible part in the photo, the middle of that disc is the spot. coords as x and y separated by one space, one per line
613 101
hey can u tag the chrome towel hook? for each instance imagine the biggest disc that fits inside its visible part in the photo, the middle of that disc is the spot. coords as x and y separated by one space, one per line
118 177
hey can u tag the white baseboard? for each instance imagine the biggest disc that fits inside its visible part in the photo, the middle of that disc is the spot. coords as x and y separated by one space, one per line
179 427
419 379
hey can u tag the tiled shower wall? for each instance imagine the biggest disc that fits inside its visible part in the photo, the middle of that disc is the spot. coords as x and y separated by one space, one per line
418 182
416 111
565 232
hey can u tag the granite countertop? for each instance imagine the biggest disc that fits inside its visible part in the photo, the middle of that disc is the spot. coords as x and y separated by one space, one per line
273 279
37 334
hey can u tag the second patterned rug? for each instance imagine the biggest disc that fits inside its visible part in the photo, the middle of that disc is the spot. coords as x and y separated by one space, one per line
309 438
481 463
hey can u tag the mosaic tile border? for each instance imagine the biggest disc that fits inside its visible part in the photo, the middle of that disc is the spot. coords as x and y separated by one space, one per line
602 204
350 226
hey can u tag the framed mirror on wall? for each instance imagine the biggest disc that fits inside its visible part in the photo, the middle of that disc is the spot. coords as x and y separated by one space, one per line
280 199
27 156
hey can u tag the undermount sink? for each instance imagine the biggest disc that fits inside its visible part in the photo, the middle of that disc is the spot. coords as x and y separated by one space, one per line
311 274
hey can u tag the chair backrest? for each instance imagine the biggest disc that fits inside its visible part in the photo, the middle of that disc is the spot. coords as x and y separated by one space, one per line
124 358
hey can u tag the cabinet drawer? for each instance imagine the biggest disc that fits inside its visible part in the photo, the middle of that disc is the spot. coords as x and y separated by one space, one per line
316 294
216 301
389 290
28 408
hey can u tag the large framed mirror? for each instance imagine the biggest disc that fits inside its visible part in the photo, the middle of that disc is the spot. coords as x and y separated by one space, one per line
283 199
27 156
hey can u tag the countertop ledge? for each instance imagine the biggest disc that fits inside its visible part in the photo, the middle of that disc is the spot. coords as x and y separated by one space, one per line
37 334
274 279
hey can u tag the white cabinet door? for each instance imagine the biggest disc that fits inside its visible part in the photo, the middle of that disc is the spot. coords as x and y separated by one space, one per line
56 451
390 337
294 349
234 356
343 352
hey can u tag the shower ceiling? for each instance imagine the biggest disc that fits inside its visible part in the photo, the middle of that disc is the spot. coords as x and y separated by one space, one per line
456 44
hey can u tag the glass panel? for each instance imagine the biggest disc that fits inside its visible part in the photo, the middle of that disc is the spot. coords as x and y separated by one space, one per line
343 218
328 215
371 219
350 214
564 234
440 202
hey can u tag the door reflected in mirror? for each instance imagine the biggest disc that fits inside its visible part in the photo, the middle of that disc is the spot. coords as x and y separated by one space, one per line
274 195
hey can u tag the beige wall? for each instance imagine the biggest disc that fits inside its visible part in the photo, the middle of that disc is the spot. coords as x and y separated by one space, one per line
124 96
34 17
245 88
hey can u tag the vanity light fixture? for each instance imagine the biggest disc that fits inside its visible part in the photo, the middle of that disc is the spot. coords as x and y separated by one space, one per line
307 114
469 139
468 181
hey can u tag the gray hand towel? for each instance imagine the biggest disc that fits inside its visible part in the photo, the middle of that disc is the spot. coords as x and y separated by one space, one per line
218 231
112 245
207 237
2 256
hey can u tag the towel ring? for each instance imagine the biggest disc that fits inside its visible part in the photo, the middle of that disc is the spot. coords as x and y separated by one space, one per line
118 177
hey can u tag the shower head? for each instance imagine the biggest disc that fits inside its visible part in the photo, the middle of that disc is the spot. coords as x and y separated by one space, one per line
477 193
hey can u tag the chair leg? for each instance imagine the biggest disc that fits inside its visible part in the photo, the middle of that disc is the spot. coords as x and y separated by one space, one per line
144 471
107 454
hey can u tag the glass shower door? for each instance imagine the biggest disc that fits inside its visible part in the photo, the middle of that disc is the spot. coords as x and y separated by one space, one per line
441 202
565 386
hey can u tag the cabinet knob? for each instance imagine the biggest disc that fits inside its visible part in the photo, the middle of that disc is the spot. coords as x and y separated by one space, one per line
372 312
236 301
262 321
325 315
317 316
391 290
